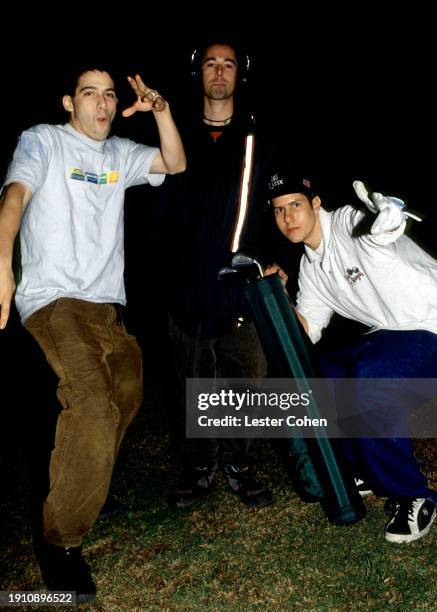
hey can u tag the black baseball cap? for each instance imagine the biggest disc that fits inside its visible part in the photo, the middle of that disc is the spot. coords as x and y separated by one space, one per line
282 183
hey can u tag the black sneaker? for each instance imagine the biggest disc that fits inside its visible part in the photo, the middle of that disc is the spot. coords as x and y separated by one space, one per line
389 506
194 483
244 484
111 507
411 519
363 488
64 569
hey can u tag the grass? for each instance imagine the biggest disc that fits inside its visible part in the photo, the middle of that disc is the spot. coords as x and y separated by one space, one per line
221 555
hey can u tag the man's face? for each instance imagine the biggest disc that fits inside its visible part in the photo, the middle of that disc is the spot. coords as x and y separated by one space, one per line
93 106
219 72
298 219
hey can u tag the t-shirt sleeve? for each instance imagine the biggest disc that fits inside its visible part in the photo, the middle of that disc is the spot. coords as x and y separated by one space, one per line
139 160
30 160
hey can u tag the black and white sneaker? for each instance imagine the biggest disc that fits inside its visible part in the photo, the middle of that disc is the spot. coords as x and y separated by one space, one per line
411 518
363 488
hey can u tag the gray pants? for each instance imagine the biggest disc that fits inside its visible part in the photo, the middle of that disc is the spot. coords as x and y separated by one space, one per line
238 354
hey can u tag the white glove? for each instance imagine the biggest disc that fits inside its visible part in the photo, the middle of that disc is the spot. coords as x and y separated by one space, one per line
376 202
362 193
390 216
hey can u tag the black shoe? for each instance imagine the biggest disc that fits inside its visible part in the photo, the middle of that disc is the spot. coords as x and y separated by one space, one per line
194 483
389 506
64 569
411 519
244 484
363 488
110 507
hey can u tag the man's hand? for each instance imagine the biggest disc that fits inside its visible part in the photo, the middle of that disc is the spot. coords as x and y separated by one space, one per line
170 159
389 209
363 195
147 99
7 288
376 201
393 209
275 269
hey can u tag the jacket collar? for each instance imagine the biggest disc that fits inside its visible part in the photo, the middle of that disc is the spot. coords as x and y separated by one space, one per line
325 226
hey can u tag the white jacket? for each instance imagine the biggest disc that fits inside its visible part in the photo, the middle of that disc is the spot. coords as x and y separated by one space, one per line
382 279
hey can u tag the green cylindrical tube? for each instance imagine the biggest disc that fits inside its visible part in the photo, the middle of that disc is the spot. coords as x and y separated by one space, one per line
320 471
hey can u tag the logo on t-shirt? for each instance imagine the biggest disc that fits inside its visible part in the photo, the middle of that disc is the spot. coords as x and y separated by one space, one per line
353 275
91 177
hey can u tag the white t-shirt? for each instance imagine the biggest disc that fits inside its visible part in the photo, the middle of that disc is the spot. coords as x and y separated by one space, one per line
72 229
384 280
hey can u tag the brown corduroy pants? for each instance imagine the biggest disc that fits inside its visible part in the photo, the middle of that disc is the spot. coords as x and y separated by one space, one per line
100 388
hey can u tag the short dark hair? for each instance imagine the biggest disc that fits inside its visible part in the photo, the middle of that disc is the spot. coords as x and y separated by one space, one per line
72 76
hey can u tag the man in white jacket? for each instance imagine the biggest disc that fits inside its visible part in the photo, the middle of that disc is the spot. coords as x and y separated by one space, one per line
375 275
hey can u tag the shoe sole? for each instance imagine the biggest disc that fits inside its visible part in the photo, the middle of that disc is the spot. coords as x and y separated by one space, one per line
365 493
396 538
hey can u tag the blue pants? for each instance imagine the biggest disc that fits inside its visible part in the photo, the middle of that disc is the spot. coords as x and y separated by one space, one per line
387 464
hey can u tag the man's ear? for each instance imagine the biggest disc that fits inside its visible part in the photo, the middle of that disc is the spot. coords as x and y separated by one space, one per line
67 103
316 203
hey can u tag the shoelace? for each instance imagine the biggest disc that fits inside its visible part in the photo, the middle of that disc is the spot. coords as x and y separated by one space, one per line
405 510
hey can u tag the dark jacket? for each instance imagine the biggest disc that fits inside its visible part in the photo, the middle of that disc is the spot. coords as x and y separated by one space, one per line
204 204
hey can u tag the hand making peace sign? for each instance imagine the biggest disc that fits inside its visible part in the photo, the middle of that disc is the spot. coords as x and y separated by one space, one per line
147 99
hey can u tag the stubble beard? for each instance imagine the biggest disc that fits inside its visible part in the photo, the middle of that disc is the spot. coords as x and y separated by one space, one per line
218 92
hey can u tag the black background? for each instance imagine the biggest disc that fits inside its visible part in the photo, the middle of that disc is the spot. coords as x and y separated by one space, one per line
350 87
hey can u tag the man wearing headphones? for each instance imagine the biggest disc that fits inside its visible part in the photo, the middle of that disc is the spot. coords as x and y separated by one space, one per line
209 331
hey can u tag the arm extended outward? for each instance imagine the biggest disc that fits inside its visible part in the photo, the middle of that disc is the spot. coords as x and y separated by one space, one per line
171 157
12 205
390 214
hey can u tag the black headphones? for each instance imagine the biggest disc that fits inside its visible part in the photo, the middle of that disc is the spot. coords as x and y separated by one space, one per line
243 61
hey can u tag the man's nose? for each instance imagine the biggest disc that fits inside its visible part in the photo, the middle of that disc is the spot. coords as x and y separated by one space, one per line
101 102
288 215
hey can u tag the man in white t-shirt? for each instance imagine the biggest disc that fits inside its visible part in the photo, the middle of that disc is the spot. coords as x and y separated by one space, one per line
380 278
65 187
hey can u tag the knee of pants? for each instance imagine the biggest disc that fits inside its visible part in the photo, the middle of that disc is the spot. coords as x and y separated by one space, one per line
368 369
91 398
96 383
